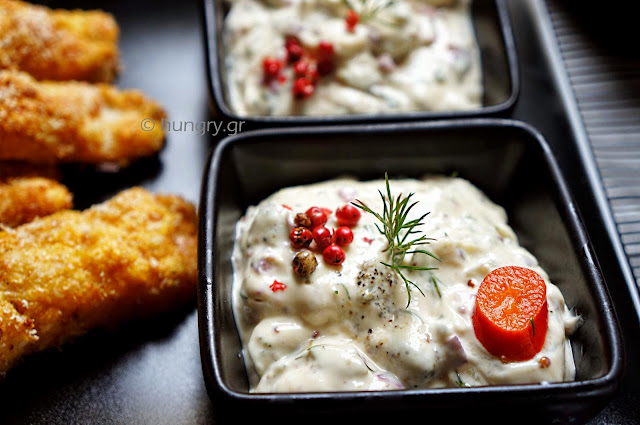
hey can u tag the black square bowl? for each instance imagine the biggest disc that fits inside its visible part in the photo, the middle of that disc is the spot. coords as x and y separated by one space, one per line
509 161
497 54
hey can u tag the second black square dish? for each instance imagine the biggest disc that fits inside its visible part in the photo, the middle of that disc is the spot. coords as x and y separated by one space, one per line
495 52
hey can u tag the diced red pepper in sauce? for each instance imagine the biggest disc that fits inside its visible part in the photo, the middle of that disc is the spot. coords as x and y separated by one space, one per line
277 286
352 20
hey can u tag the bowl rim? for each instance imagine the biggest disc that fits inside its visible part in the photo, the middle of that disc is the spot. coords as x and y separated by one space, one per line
217 98
602 386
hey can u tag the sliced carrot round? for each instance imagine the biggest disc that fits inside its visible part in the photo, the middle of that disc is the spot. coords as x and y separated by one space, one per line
511 313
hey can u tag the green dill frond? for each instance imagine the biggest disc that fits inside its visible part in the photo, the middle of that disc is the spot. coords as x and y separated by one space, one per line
368 10
533 326
434 279
460 382
403 237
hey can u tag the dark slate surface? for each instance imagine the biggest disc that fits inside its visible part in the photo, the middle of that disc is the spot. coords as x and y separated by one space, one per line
149 372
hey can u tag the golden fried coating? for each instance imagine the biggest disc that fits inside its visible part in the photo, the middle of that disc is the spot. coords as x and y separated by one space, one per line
23 199
72 121
58 44
70 272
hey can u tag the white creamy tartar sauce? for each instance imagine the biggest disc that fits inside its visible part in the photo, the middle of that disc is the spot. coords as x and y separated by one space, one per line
401 55
348 327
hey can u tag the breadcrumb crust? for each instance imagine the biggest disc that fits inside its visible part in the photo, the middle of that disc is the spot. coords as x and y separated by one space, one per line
52 122
70 272
24 199
58 44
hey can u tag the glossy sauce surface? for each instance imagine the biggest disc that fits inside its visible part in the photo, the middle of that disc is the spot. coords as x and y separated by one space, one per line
403 55
349 327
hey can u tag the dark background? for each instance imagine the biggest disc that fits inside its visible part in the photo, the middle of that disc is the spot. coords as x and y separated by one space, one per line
150 371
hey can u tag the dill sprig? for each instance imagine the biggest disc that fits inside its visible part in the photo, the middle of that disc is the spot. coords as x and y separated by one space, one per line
460 382
434 279
400 233
533 326
368 9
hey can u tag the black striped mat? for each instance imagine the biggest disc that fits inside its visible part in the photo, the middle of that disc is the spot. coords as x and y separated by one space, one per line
601 56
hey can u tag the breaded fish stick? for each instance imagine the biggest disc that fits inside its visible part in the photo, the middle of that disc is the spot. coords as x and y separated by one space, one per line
70 272
23 199
53 122
58 44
